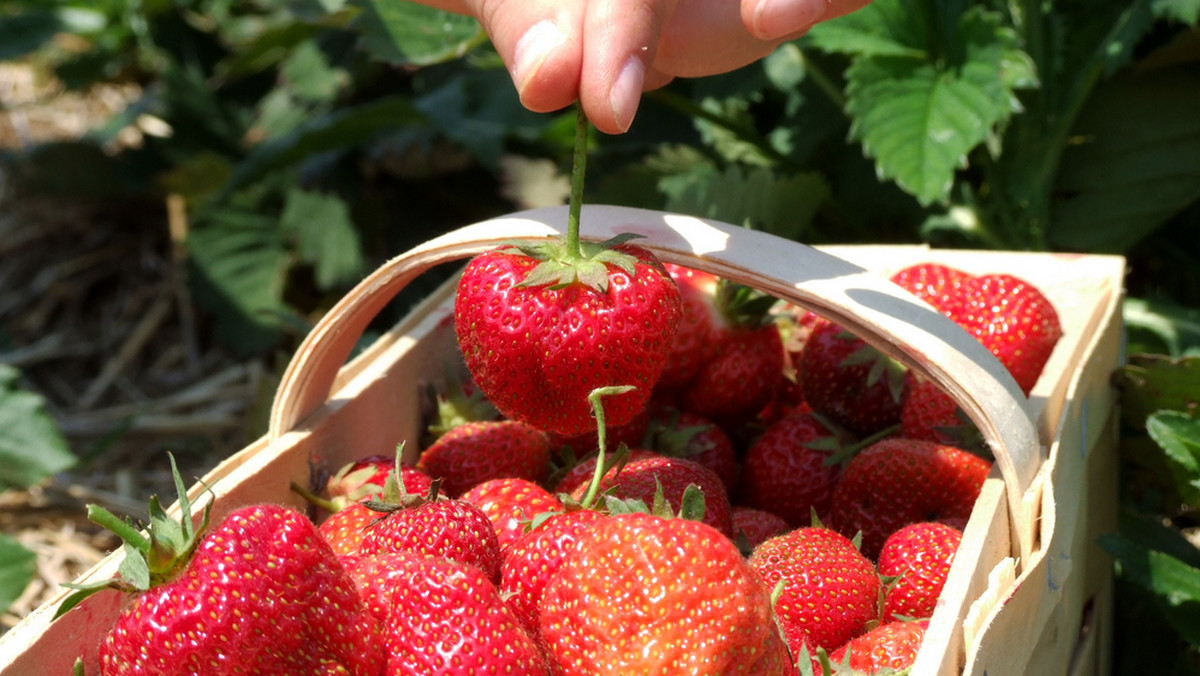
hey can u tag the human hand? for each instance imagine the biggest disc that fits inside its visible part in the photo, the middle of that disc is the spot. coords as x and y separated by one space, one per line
605 53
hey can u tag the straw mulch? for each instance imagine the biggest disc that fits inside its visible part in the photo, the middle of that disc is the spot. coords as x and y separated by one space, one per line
94 311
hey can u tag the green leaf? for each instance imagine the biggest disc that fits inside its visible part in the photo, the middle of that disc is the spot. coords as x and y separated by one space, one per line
1174 582
1178 435
410 34
339 130
919 118
326 237
31 446
882 28
26 31
239 264
727 125
1134 161
17 567
1153 533
268 47
198 176
1152 383
309 75
757 197
480 111
1176 326
1183 11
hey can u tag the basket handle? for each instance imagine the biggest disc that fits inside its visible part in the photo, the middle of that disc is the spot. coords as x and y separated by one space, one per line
866 303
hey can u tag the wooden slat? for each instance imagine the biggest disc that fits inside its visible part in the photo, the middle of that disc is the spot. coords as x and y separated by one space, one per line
1037 625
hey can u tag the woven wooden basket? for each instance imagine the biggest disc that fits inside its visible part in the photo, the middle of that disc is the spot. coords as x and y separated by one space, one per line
1029 592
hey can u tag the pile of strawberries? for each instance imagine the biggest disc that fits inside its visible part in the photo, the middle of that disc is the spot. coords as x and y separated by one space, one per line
649 470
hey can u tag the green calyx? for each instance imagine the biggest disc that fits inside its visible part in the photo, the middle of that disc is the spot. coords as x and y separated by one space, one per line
568 261
152 557
883 368
691 505
560 265
455 407
395 497
669 438
744 306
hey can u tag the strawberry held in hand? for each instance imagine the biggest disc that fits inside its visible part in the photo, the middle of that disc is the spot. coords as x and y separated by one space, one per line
541 327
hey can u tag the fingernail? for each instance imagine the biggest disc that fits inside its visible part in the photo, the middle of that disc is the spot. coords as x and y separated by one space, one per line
627 92
777 18
532 49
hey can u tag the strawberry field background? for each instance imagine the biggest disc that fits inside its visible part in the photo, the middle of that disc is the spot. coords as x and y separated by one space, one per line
189 184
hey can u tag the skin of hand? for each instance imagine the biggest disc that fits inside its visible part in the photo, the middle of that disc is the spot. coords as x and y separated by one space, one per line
605 53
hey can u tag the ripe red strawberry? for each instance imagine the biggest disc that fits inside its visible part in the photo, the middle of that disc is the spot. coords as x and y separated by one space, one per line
220 611
1015 321
787 471
683 434
442 617
363 479
851 382
345 529
701 326
895 482
539 334
920 555
575 480
1011 317
752 527
510 504
939 285
533 559
741 380
640 479
474 452
830 590
890 648
929 414
795 326
645 594
436 526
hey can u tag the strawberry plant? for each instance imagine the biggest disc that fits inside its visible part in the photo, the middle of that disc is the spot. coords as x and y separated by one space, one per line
1156 554
31 448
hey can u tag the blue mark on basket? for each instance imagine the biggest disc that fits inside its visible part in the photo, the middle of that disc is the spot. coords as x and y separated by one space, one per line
1049 576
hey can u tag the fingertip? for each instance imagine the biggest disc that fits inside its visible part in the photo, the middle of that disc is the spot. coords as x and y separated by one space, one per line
533 49
774 19
553 87
626 93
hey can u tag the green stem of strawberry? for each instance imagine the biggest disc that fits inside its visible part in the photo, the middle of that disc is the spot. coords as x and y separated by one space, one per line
578 169
126 531
594 398
313 498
